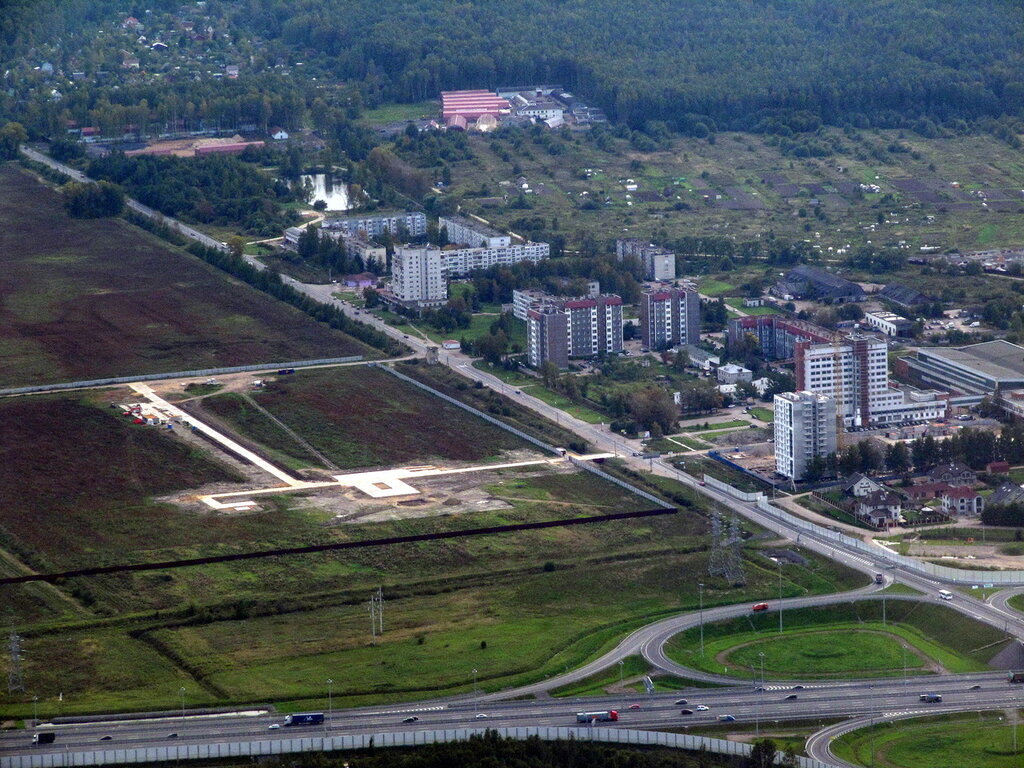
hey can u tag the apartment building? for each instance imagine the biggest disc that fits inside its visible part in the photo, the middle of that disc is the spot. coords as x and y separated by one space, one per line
474 234
411 224
805 427
590 327
669 317
657 262
417 277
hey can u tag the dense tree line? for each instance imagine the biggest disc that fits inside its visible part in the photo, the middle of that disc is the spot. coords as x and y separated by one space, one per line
92 201
212 189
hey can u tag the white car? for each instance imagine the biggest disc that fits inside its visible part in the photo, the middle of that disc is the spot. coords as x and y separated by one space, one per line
273 726
481 716
702 708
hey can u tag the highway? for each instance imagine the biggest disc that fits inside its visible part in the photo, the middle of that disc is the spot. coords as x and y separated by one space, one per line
865 699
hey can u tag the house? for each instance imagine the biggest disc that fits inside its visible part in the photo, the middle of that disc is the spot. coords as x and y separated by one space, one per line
761 385
923 491
158 46
881 509
954 474
450 344
998 467
1007 493
731 373
231 71
279 134
962 501
860 486
362 280
750 303
129 62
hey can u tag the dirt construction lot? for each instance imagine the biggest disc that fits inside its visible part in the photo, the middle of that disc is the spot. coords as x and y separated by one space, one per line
84 299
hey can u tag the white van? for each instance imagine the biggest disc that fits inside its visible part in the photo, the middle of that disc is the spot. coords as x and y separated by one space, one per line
945 594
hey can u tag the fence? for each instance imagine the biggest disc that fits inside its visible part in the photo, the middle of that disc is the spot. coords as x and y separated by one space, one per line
589 467
365 741
877 553
178 375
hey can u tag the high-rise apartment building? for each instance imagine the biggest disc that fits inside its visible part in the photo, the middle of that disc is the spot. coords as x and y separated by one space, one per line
417 276
805 427
669 317
657 262
558 329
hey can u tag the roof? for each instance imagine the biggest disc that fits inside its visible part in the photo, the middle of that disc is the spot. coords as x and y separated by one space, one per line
997 359
903 295
959 493
822 280
1007 493
880 499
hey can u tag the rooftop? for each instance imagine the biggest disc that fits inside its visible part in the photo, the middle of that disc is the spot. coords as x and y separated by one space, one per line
997 359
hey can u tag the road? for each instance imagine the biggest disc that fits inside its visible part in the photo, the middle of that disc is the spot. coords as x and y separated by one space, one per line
817 700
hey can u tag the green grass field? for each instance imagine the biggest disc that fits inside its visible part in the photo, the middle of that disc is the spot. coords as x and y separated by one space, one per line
736 303
842 641
712 287
393 113
978 740
764 414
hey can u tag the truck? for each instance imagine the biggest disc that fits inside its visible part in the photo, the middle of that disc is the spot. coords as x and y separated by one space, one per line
600 717
304 718
44 737
879 578
1016 677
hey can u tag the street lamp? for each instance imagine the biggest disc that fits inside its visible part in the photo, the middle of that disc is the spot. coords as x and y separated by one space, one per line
330 707
182 689
778 562
35 710
700 592
476 703
904 665
760 698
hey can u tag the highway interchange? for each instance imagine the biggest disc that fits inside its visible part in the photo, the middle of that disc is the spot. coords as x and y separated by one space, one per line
864 701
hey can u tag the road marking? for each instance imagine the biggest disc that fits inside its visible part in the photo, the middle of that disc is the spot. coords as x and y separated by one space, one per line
404 711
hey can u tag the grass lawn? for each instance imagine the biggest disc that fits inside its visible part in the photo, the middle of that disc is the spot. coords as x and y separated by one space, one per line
978 740
719 426
764 414
815 505
73 310
737 303
533 386
712 287
842 640
597 683
393 113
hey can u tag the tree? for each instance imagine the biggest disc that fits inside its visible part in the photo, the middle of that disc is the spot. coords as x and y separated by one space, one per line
92 201
236 245
652 407
897 458
763 754
12 136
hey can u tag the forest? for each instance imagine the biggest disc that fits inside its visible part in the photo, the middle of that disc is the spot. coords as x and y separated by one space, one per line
776 66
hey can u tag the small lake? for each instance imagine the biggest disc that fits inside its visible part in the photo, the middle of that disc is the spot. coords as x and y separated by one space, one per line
331 190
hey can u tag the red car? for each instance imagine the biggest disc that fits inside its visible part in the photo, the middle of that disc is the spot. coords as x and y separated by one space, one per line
759 607
634 706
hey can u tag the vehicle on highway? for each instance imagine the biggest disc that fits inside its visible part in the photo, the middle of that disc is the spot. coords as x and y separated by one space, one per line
727 718
273 726
603 716
304 718
172 735
681 702
879 578
791 697
798 687
108 737
702 708
975 688
932 698
1016 677
945 594
760 689
480 716
759 607
44 737
633 706
685 711
411 719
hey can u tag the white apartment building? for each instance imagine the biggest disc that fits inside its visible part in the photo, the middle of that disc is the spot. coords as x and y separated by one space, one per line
475 234
855 372
417 276
415 224
462 261
805 427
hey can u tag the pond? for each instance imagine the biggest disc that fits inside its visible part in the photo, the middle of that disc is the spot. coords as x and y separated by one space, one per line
330 189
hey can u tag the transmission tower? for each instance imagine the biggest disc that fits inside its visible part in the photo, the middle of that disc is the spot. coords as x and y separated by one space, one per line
726 559
15 680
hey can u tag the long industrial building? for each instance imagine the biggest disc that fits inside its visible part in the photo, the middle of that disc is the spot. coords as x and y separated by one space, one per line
977 369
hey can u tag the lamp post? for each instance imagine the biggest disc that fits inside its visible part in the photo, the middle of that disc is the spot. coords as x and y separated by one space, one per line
476 703
760 699
779 564
182 690
700 592
904 665
330 702
35 710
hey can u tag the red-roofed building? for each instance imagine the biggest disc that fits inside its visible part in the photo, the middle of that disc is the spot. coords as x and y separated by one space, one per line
962 501
471 105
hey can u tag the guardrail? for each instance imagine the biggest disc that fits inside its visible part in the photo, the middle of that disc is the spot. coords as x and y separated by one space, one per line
260 748
940 572
178 375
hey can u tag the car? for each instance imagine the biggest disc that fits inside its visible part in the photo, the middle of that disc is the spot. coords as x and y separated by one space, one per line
411 719
633 706
172 735
759 607
726 718
701 482
685 711
702 708
798 687
791 697
760 689
273 726
975 688
106 738
681 702
480 716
